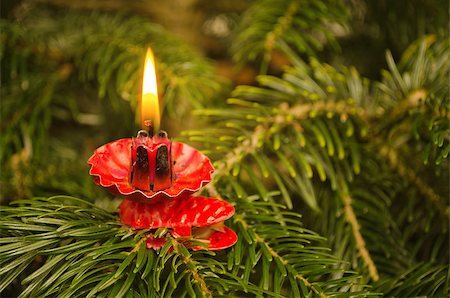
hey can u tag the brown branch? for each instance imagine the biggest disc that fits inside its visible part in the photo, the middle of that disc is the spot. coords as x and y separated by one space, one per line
283 23
360 243
413 100
191 267
395 163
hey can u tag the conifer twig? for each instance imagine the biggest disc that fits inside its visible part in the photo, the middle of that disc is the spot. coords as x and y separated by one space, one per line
192 268
283 23
287 116
395 163
411 101
360 243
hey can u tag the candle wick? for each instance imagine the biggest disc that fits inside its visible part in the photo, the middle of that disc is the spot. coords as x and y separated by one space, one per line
149 125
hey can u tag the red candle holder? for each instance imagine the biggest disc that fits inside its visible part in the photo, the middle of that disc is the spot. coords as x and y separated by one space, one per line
148 169
157 177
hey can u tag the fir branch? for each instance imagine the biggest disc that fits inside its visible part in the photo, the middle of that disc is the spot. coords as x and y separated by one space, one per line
83 251
391 155
415 98
252 231
423 279
360 243
282 24
274 254
286 116
191 266
268 23
371 193
294 109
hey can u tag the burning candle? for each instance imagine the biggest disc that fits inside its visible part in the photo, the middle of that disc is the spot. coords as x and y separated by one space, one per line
150 166
157 178
151 156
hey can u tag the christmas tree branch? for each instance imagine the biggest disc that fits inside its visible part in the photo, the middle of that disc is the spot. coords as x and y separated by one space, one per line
191 266
413 100
82 250
304 25
282 24
274 254
395 163
287 116
360 243
286 109
252 233
423 279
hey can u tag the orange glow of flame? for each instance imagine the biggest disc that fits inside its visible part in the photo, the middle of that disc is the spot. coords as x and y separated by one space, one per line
149 105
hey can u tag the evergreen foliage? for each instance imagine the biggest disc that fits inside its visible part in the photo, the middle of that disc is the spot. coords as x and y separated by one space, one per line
82 250
318 128
340 182
304 25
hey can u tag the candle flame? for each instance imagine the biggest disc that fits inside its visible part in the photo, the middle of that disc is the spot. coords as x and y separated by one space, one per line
149 105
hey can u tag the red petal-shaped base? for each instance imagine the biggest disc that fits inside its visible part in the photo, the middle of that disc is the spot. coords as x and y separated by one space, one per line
179 213
110 166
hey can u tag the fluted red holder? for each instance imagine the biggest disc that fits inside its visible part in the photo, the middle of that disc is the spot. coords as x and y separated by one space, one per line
197 217
157 177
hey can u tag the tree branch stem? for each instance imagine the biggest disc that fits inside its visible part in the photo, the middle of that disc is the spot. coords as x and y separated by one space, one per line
395 163
283 23
192 269
360 243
